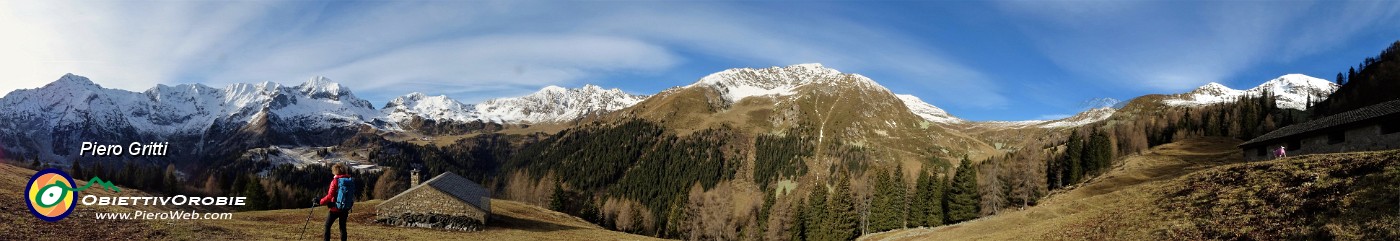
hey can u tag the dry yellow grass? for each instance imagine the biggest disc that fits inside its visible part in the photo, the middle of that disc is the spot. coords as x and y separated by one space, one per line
1110 206
511 221
1195 189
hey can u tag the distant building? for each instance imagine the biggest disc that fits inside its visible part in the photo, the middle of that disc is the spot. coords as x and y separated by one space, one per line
1371 128
447 201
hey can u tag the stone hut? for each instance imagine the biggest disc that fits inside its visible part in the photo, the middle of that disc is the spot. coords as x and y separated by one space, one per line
447 201
1371 128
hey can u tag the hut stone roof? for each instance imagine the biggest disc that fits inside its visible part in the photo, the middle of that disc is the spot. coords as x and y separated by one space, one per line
458 187
1383 109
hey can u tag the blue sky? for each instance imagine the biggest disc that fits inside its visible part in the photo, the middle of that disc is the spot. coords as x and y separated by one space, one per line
1011 60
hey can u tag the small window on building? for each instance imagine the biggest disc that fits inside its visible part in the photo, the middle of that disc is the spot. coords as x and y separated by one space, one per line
1337 137
1390 127
1294 145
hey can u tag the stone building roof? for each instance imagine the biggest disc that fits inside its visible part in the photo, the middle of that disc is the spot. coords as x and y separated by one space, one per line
458 187
1383 109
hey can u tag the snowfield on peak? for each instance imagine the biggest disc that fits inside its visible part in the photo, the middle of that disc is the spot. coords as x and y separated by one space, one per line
928 111
1293 91
739 83
436 108
556 104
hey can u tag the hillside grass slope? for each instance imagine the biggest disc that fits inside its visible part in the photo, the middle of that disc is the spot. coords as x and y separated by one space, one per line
1198 189
510 221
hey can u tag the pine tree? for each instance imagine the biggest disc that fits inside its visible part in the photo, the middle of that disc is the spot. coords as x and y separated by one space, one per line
589 211
816 214
78 171
128 175
556 199
768 200
901 198
842 218
799 224
918 205
170 183
938 187
1073 168
1052 171
1341 80
883 208
962 199
257 195
1097 154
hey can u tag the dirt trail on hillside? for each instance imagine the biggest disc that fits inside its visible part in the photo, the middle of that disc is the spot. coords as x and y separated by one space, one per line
1120 190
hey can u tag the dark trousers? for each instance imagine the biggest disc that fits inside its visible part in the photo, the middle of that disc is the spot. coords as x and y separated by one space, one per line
342 215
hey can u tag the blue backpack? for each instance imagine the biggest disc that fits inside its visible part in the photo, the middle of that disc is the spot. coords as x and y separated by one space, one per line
344 194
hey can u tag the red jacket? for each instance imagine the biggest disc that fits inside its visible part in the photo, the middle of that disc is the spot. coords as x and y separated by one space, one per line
330 195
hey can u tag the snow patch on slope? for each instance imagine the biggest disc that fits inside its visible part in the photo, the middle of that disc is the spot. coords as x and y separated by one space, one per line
1083 118
1011 124
928 111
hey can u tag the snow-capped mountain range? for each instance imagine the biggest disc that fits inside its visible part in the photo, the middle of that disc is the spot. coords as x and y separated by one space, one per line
74 100
557 104
1292 91
74 108
550 104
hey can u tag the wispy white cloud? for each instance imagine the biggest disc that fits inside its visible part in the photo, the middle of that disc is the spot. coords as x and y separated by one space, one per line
130 46
500 63
486 49
776 39
1166 46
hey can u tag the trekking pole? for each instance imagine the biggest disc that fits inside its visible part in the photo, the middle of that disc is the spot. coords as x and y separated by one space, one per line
308 222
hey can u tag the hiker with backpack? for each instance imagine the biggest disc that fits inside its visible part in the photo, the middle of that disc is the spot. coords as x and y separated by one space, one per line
340 199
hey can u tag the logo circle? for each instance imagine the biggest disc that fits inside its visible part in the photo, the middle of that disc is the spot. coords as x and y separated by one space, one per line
50 195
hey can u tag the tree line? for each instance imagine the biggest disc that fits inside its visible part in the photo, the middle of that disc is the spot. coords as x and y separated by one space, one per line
1374 80
833 212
